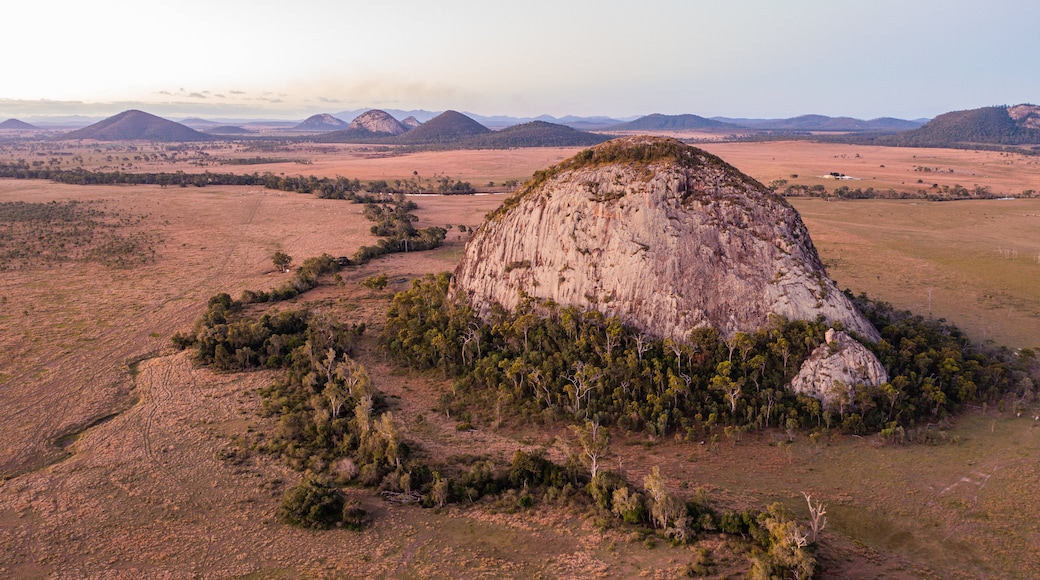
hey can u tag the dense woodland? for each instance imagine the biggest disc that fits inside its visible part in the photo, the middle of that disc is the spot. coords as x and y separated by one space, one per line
546 363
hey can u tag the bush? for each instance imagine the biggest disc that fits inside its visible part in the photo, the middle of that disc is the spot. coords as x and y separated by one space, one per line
317 503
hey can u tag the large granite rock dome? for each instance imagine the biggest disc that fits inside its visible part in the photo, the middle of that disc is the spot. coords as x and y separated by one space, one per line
665 236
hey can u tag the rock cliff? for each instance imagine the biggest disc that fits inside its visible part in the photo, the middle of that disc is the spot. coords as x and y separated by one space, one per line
834 368
664 236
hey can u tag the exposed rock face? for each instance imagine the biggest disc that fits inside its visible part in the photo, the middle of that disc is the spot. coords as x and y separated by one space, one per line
664 236
378 121
411 122
1026 115
834 368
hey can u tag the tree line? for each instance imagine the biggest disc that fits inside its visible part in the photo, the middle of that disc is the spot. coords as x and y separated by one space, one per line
322 187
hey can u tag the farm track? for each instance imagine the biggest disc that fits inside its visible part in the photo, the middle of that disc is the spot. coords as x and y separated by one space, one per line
65 394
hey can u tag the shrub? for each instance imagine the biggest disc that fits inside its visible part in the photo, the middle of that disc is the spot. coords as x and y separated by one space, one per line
317 503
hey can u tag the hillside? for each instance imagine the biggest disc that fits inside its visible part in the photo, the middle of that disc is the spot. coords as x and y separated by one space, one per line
447 128
16 125
535 134
985 126
321 122
455 130
137 125
659 122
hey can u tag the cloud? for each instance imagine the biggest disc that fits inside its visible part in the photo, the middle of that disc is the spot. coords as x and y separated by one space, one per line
237 92
197 95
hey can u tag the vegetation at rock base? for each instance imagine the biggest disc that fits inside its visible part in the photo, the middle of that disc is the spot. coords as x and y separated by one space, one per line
546 363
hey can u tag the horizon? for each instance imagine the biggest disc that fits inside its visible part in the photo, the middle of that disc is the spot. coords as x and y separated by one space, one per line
758 59
72 119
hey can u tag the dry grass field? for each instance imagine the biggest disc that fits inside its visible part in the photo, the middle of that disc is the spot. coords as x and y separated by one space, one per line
118 457
882 168
975 263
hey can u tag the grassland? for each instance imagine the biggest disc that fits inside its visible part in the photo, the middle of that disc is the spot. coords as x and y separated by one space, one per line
118 458
975 263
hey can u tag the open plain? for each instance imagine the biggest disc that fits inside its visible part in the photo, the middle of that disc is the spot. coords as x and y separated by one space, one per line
119 458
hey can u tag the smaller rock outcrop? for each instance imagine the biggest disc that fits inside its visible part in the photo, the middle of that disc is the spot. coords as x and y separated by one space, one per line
411 122
834 368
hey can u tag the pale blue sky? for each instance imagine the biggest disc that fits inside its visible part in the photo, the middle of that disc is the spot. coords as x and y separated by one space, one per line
750 58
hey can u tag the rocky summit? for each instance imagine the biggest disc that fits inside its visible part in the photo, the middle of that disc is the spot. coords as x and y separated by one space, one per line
664 236
377 121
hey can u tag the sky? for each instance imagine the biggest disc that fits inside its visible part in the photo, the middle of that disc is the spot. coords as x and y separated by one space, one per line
738 58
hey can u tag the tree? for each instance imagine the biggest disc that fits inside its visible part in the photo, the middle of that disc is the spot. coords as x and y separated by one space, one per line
282 261
581 383
375 282
817 516
722 382
665 508
317 503
595 443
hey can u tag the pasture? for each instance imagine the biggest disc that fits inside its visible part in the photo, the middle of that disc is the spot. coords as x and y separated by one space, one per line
118 457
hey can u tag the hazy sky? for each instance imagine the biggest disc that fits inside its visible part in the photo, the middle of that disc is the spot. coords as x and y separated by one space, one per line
291 59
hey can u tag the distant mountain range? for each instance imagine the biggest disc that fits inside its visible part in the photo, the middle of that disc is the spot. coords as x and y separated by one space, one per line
992 126
824 123
454 129
498 121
